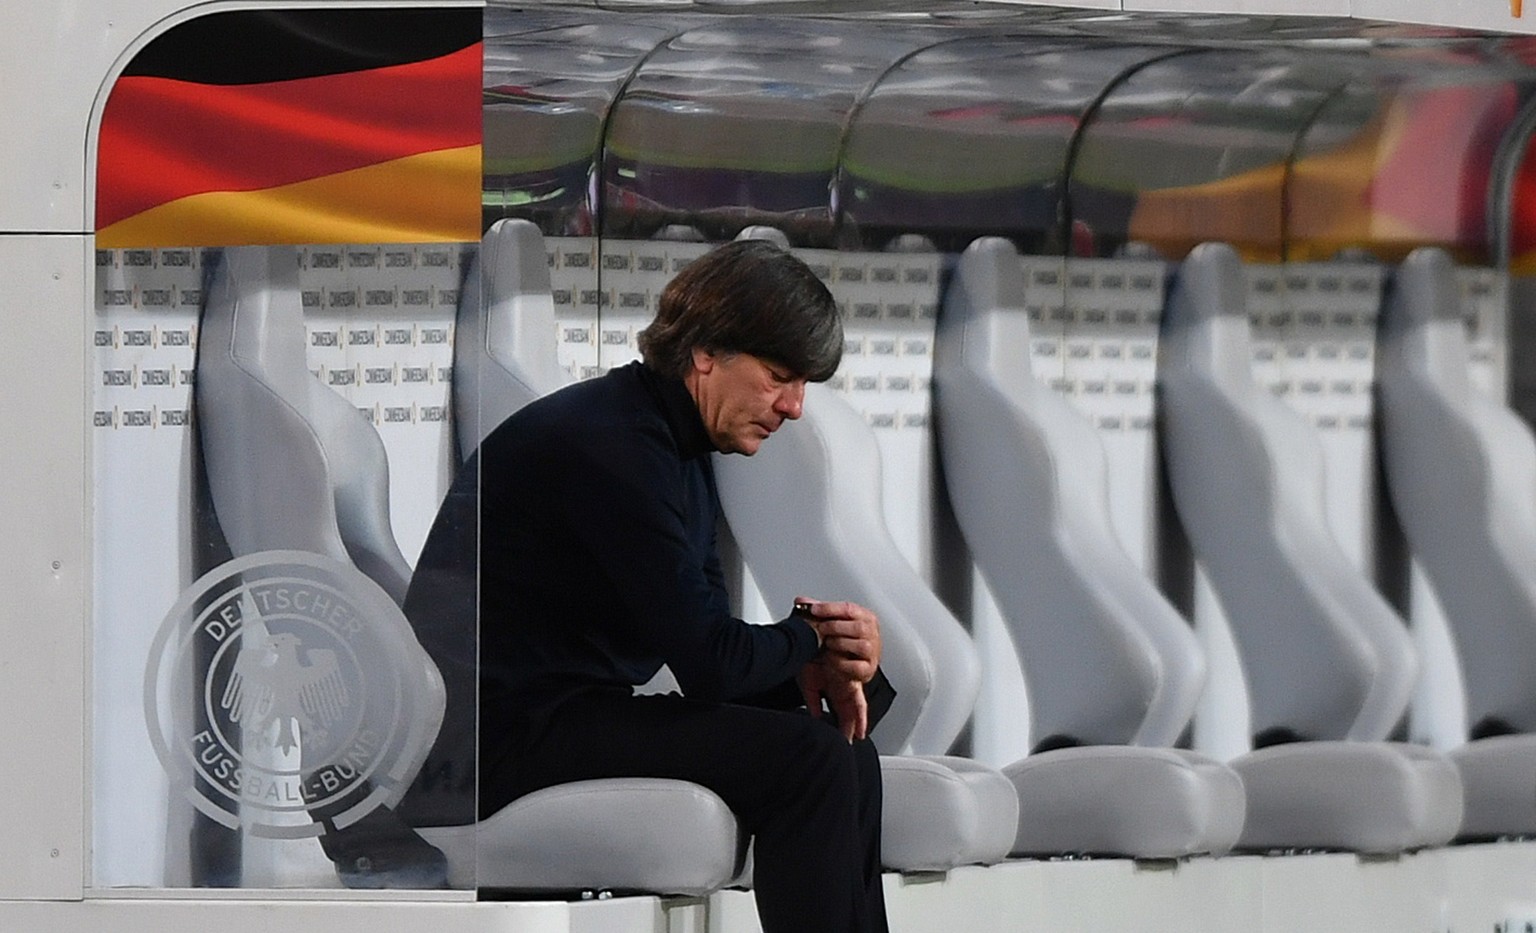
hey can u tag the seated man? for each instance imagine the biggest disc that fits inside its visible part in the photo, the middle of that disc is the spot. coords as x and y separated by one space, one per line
598 565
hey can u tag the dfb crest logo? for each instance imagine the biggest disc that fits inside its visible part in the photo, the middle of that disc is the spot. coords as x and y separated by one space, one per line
285 685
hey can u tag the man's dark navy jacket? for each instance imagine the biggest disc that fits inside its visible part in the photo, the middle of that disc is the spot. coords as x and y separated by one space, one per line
597 564
597 553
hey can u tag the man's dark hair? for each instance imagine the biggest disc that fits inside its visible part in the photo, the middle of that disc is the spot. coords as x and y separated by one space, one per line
749 296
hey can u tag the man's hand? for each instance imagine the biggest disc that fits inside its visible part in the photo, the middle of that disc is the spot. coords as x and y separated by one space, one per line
845 697
850 643
850 638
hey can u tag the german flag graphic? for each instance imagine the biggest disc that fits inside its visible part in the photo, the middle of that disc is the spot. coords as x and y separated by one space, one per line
321 126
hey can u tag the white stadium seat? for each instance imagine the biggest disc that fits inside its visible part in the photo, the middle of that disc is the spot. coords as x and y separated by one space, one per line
1461 470
1329 664
1112 668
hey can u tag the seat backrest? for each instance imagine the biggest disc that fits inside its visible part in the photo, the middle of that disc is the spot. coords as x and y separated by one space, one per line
292 466
505 351
505 356
1107 660
806 512
290 463
1324 655
1461 471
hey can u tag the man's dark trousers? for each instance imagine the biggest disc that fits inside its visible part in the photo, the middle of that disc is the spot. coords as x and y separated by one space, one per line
809 798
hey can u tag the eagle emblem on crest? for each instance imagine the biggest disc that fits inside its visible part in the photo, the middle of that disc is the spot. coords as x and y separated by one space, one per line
273 682
312 692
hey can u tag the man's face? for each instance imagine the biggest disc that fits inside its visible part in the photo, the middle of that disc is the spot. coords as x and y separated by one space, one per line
743 398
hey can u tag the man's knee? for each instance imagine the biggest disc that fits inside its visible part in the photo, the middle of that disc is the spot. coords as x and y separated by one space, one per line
867 765
822 756
805 775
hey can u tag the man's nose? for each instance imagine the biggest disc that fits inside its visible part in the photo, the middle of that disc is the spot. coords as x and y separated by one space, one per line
791 401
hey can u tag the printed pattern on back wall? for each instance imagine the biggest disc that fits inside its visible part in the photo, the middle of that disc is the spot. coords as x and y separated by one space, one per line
379 331
605 294
145 337
1485 305
1093 328
1314 338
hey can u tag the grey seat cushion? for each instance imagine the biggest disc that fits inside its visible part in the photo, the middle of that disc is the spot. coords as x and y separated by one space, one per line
1123 800
931 820
997 806
629 834
1498 777
1356 796
939 813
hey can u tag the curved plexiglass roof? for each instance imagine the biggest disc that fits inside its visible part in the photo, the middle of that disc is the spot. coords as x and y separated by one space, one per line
1195 146
1421 167
547 94
1067 131
972 137
740 123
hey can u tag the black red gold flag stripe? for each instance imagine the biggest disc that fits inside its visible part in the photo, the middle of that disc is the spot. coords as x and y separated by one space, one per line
295 127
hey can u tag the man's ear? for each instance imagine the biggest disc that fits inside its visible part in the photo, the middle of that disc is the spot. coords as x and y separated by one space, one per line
703 360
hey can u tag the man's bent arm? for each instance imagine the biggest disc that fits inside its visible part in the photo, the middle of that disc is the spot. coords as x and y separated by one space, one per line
631 517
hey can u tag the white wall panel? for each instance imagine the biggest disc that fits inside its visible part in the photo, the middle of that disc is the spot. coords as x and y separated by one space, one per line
52 61
144 317
1471 14
44 565
1305 7
1458 888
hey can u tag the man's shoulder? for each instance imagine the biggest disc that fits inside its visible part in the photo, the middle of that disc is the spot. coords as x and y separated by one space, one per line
581 413
616 395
